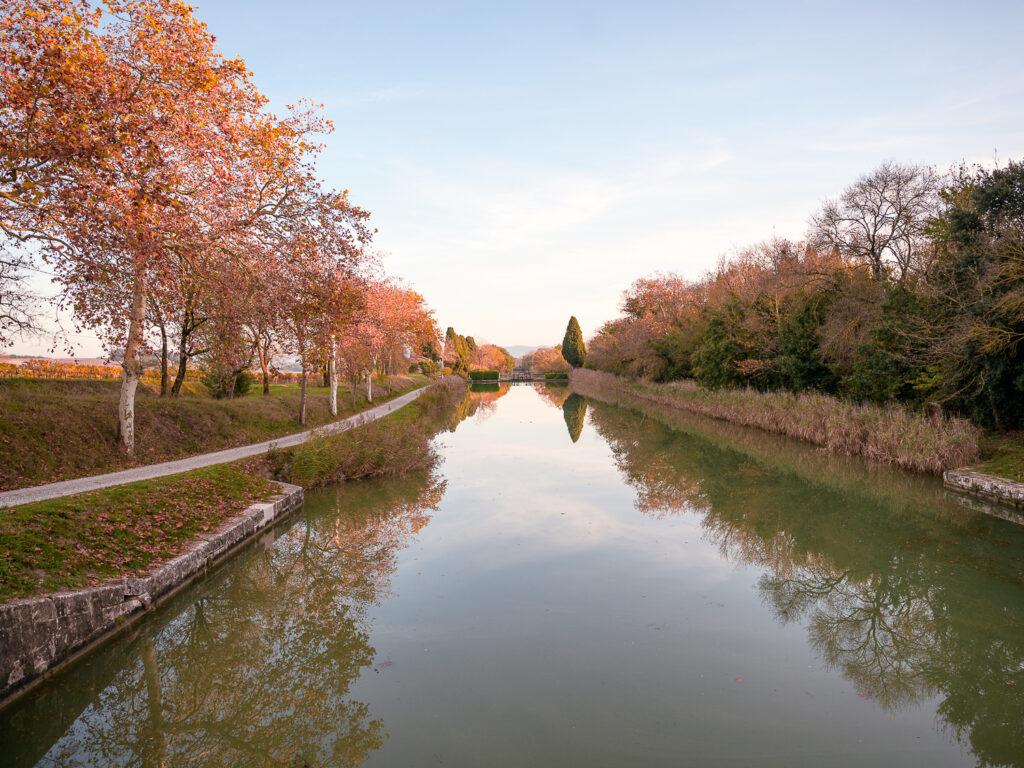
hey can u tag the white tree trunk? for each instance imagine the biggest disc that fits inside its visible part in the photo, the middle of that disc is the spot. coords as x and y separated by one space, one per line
332 372
131 367
369 386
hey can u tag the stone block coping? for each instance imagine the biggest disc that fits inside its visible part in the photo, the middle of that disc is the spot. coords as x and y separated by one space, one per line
998 489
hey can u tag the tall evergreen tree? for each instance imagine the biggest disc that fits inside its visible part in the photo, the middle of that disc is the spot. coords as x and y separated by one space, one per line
457 352
573 349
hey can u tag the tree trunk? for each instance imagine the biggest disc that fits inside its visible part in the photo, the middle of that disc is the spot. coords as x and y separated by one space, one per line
327 375
369 386
264 355
164 381
179 377
189 325
391 372
131 367
302 396
332 379
354 384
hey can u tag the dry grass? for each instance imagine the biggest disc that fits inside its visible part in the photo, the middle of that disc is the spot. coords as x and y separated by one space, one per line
890 434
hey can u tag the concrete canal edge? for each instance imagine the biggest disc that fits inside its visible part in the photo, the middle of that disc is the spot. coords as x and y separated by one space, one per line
990 487
38 635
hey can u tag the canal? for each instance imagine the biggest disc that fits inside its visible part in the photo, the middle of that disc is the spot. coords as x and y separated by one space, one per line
576 584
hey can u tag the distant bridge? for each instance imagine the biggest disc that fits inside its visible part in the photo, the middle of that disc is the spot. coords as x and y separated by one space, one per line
521 376
517 377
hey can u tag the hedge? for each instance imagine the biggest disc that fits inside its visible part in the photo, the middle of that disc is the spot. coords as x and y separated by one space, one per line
483 375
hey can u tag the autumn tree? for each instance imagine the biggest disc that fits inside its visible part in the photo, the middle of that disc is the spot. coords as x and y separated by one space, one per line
881 220
573 349
113 226
405 323
51 78
490 357
545 360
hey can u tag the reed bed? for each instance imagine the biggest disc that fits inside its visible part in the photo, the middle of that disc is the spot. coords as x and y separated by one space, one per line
889 434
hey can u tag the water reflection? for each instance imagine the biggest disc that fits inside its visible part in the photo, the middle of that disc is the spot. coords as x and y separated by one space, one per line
254 671
909 600
553 393
544 622
574 411
480 401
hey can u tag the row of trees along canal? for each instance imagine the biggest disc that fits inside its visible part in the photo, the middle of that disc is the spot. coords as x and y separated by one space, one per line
909 287
145 170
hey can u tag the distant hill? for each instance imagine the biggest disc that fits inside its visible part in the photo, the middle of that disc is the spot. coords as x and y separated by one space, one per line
519 350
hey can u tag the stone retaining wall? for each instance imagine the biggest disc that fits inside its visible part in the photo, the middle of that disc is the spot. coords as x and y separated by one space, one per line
38 633
987 486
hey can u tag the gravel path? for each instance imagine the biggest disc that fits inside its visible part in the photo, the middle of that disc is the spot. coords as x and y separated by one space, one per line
81 484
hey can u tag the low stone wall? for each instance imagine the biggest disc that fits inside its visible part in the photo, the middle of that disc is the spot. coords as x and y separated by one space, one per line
40 632
991 487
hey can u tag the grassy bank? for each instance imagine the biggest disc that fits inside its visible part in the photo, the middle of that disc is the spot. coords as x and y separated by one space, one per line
126 530
891 435
56 430
122 531
1003 455
397 445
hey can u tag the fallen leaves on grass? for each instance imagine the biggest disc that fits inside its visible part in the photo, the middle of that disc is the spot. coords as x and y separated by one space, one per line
123 531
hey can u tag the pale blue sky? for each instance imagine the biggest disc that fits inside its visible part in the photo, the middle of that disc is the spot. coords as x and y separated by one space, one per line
526 161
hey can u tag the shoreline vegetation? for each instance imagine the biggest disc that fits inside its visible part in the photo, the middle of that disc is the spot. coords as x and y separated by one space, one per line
126 530
903 301
889 434
391 447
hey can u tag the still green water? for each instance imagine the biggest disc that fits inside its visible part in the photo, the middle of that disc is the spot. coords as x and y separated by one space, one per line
576 585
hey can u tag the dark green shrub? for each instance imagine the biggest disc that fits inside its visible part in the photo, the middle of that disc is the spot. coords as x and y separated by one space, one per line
219 383
483 375
556 375
429 367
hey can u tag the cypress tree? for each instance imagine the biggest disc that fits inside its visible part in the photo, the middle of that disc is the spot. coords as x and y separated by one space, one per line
573 349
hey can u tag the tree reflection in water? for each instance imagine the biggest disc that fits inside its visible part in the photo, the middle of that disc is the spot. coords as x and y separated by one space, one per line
481 401
909 601
574 411
553 393
257 670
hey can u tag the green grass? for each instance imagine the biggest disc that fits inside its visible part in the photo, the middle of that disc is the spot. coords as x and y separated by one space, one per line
115 532
1004 455
123 531
56 430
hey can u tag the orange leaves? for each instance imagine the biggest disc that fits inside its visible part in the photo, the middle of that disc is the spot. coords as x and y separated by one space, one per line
53 369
